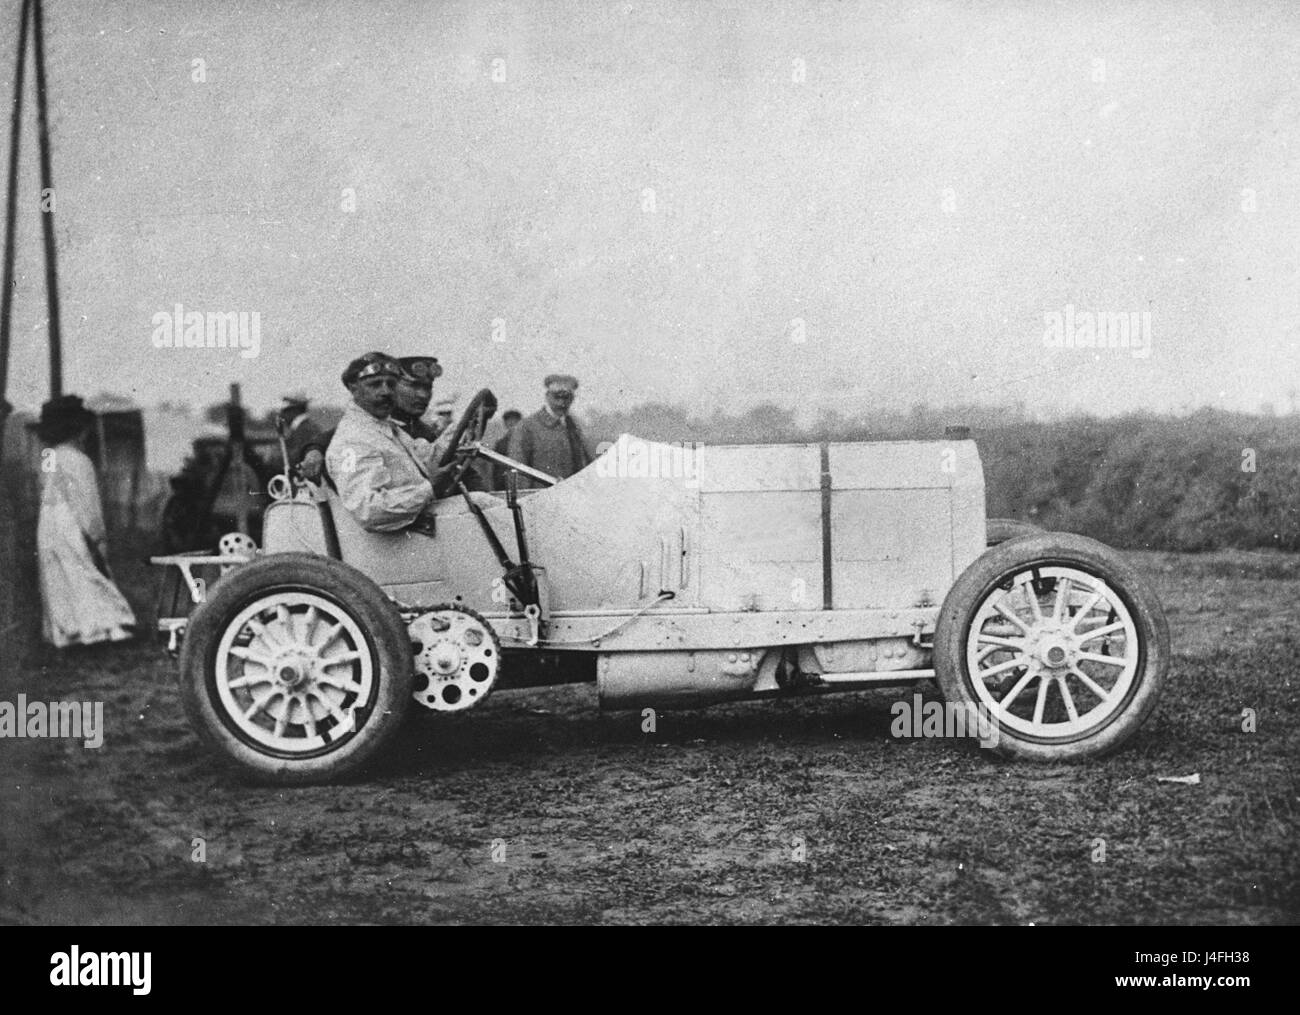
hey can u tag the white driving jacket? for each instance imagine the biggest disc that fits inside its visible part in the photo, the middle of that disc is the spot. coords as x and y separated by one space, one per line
383 475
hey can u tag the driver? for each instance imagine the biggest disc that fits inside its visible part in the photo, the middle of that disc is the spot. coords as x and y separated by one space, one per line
385 477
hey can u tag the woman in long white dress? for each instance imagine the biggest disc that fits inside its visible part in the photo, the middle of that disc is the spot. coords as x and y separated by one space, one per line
82 605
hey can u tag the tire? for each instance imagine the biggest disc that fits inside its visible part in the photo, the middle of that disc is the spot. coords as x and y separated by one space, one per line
1047 582
1000 530
316 722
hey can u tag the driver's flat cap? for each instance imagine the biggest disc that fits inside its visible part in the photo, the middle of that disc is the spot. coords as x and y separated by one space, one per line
369 365
566 381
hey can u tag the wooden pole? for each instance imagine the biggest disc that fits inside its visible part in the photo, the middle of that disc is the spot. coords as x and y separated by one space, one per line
11 213
235 423
47 193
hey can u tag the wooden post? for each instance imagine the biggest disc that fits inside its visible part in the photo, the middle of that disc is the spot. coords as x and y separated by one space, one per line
235 424
47 216
11 212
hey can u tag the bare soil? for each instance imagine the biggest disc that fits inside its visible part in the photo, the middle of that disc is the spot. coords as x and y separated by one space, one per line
539 808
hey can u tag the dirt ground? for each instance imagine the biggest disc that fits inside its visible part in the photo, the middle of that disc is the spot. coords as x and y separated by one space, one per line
539 808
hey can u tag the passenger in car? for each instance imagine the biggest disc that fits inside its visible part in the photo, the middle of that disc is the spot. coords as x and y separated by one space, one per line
414 392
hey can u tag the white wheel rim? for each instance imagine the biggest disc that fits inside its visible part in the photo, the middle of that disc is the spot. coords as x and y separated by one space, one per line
458 657
1055 663
292 671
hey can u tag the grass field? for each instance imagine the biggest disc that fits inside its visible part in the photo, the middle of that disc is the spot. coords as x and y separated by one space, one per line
805 811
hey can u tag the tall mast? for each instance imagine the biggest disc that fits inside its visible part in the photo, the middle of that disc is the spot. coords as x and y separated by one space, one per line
11 212
47 216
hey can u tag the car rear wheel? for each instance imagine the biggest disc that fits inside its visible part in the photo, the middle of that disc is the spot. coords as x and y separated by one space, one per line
1057 642
297 669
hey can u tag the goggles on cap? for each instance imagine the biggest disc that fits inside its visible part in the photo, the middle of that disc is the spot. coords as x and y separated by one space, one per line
422 369
379 366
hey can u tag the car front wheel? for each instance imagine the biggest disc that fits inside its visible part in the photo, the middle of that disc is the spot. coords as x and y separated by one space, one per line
1056 641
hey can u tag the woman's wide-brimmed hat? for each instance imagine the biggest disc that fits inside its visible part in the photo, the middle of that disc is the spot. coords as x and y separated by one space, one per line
63 417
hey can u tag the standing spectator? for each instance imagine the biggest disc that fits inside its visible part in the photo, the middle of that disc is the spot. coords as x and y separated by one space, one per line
549 439
304 440
82 605
442 412
510 419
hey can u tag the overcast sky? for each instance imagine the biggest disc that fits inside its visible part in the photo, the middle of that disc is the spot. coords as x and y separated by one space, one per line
656 191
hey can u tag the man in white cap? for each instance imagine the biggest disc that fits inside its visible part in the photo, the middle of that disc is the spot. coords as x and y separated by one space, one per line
443 410
550 439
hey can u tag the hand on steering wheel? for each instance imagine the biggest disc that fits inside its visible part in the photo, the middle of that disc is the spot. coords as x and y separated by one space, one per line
481 408
472 423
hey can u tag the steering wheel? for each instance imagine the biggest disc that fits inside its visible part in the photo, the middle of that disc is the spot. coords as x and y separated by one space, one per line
481 408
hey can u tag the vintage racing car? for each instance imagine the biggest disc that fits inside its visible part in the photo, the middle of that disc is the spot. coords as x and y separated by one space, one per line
672 577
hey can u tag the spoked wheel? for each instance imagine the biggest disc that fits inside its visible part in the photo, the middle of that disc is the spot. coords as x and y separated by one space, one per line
297 668
296 671
1058 642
